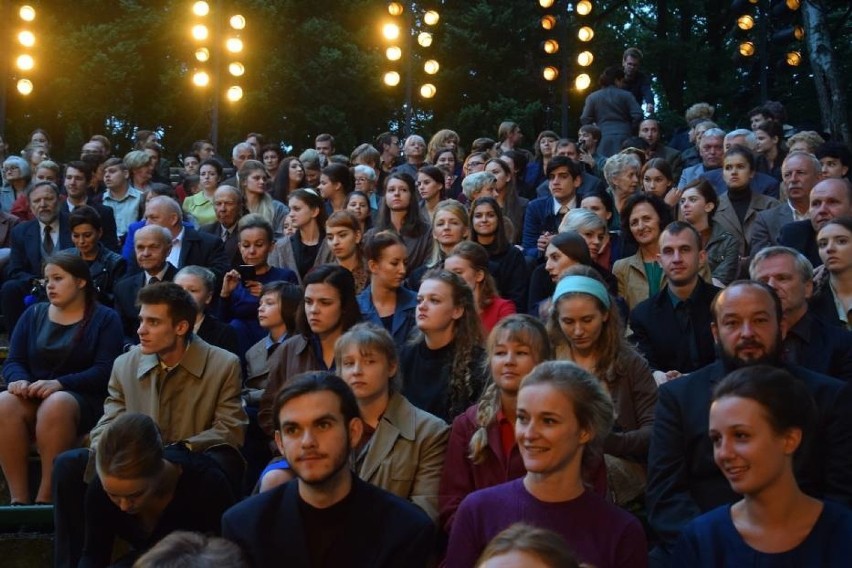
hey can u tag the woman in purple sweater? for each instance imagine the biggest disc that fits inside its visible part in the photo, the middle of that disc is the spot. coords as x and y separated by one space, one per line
563 414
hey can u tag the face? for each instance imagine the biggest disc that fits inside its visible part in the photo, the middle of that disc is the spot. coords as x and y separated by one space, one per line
151 252
644 224
393 149
270 160
132 496
511 361
39 138
327 188
737 172
190 165
324 147
115 177
366 371
562 186
545 145
436 310
343 241
484 220
595 239
44 204
85 237
832 168
301 215
448 230
227 207
323 307
736 140
548 434
515 559
75 183
363 183
569 151
397 195
498 172
649 131
835 248
756 120
446 162
243 155
680 256
557 262
475 164
711 150
800 176
155 157
586 138
746 327
596 206
269 311
746 448
256 182
255 246
389 269
631 65
296 171
207 151
693 206
157 333
62 288
428 188
829 200
780 273
472 277
359 206
626 182
654 181
315 438
765 142
208 178
38 156
312 177
196 288
11 172
582 321
159 214
45 174
414 147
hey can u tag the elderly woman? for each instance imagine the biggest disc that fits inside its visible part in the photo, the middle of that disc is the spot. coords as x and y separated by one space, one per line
140 165
366 179
478 184
622 175
16 178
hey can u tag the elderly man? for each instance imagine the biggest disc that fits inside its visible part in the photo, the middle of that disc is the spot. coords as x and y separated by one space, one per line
414 153
800 172
710 147
228 202
761 183
241 152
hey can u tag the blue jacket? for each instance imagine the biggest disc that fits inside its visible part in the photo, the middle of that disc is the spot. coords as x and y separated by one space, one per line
403 317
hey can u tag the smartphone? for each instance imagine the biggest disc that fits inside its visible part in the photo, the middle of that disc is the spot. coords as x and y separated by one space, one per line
247 272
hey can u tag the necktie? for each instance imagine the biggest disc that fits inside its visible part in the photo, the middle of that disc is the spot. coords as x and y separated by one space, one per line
563 210
225 234
48 240
153 280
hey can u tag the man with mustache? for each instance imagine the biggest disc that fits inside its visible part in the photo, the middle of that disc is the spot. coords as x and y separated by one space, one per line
683 480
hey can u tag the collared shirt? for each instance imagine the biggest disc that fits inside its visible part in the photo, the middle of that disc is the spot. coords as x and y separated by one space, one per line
842 311
226 232
557 206
160 275
126 209
270 343
174 256
799 216
54 233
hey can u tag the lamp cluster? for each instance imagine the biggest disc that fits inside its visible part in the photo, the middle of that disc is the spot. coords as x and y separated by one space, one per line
556 15
205 43
781 21
25 62
419 25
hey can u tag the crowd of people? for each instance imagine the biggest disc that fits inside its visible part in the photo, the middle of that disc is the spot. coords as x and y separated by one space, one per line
607 352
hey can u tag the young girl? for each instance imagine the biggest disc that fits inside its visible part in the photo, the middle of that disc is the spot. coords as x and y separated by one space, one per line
482 450
386 302
200 282
657 179
470 261
698 203
443 368
430 187
402 447
358 203
307 246
253 181
505 191
343 233
334 185
760 418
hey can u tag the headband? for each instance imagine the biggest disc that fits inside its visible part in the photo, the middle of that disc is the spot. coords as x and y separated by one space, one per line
583 284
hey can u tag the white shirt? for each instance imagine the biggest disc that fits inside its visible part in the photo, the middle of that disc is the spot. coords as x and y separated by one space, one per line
174 256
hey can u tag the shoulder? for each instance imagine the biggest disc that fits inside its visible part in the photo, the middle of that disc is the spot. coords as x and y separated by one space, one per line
103 313
245 514
393 511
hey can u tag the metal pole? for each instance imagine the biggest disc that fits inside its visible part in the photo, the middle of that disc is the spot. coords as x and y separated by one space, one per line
563 72
216 56
763 34
409 68
5 16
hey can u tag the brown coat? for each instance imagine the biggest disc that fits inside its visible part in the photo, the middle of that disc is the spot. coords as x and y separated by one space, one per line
293 357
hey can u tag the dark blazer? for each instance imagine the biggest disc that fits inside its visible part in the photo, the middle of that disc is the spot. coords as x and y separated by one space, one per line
109 238
823 347
800 235
200 249
767 227
590 182
538 219
219 334
656 330
760 183
125 301
683 480
382 530
231 246
822 304
25 257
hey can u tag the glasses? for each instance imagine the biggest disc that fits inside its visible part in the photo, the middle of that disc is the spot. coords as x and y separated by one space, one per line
474 164
10 168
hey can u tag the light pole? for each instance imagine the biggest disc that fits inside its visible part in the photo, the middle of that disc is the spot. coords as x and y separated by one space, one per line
416 22
211 54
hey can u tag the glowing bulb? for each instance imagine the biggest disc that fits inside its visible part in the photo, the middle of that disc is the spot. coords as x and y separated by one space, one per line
201 79
25 62
794 58
745 22
26 38
746 49
27 14
234 44
238 22
234 93
582 82
200 32
793 4
428 91
798 32
585 58
431 17
390 31
236 69
431 67
551 46
25 86
393 53
545 3
584 7
395 9
550 73
585 33
202 54
391 79
424 39
201 8
548 22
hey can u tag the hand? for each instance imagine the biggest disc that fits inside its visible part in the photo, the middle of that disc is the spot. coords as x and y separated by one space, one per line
229 284
543 241
43 389
19 388
254 287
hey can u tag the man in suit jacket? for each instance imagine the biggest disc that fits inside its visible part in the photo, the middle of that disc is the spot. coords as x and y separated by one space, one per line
710 147
326 516
32 242
809 341
801 173
544 214
153 244
228 202
672 328
683 479
78 177
830 198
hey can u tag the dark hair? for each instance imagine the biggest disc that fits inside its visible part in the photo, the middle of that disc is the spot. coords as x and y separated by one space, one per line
85 215
316 381
477 257
181 305
773 128
338 173
76 267
184 549
436 174
546 545
290 298
384 139
368 222
130 447
610 76
705 189
281 183
677 227
215 165
784 397
271 148
563 162
740 150
501 238
520 159
573 245
378 242
482 144
543 134
835 150
414 225
603 195
660 164
81 167
312 199
341 280
660 207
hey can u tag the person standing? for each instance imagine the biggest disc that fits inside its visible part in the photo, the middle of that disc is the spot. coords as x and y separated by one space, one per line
613 109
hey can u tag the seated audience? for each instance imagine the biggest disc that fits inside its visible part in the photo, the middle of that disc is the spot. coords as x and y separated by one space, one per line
343 233
307 247
832 299
698 203
182 548
470 261
199 282
106 267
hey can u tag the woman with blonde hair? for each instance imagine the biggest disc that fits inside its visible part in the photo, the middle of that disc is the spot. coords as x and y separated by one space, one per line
450 226
444 138
140 167
253 180
482 451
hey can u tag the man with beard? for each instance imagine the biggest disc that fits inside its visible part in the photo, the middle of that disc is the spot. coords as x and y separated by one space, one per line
683 480
326 516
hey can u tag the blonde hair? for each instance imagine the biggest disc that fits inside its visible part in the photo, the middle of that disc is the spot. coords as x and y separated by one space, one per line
455 208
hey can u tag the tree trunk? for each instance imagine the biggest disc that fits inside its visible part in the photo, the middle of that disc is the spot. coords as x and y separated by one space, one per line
830 93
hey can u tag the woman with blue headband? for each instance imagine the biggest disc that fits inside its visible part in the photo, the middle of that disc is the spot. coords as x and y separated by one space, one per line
585 328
